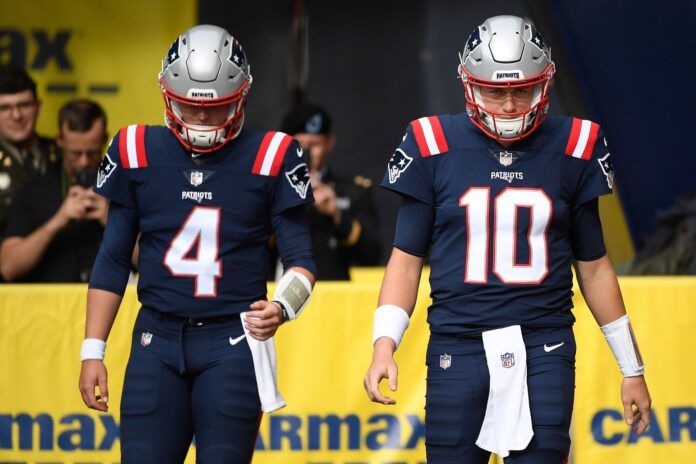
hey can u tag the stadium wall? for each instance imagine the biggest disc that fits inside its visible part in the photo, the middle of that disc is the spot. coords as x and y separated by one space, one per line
323 357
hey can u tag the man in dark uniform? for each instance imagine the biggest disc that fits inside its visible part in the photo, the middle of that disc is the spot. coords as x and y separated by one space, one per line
23 153
56 221
343 219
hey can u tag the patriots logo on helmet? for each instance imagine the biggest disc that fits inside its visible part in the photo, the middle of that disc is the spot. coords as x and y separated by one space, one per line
299 179
398 164
237 55
474 40
537 39
105 169
607 168
172 54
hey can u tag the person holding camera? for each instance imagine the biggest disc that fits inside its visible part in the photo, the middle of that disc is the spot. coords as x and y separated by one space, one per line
56 221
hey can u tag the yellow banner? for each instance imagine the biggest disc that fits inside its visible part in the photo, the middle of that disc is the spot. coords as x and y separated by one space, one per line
323 357
109 51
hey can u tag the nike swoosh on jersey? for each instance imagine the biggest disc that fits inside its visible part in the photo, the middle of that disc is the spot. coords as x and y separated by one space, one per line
234 341
548 348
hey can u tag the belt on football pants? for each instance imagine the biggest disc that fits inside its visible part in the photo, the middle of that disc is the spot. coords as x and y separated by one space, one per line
478 336
184 322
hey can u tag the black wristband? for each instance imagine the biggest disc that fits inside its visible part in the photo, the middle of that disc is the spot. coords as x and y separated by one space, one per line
283 311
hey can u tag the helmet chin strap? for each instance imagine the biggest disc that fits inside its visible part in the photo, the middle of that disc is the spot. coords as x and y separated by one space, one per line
202 136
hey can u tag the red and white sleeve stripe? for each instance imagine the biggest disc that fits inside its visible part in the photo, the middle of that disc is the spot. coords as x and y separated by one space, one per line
583 135
131 146
429 136
269 158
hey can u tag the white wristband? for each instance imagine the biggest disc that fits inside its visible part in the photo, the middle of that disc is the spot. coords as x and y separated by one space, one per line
92 348
390 321
293 291
623 344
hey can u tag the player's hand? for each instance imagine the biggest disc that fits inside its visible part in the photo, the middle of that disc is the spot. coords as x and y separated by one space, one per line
263 320
97 207
383 367
636 401
93 374
73 207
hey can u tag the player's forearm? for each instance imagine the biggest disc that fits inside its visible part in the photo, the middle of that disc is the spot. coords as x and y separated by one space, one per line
102 307
305 272
600 288
401 280
19 255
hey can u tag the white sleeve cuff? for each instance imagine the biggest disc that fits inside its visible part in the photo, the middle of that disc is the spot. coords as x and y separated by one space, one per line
390 321
92 348
623 344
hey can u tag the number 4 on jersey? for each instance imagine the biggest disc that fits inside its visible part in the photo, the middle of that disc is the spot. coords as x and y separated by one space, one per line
201 228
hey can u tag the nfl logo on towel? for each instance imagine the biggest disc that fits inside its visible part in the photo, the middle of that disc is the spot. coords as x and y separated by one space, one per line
445 361
145 338
508 360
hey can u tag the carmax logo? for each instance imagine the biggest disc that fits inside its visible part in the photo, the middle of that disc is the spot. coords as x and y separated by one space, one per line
679 425
81 432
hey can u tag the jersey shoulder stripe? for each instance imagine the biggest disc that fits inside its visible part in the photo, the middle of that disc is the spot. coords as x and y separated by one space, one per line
429 136
582 139
131 147
270 154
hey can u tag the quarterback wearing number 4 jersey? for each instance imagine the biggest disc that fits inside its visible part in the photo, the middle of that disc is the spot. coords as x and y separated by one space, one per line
203 195
504 200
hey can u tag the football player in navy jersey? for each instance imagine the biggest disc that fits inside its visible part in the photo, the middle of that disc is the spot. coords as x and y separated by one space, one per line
505 200
203 195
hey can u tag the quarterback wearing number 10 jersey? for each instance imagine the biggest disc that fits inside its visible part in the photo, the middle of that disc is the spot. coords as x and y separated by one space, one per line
204 226
501 253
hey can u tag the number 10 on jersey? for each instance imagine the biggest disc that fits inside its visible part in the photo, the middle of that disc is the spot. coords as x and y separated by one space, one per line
504 234
202 229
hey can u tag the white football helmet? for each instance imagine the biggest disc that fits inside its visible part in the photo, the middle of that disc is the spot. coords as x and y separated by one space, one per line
506 52
205 67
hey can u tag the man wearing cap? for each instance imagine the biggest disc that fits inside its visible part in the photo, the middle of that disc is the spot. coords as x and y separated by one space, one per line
343 219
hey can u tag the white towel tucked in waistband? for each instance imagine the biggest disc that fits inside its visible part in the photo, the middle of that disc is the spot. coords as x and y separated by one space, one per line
507 425
264 355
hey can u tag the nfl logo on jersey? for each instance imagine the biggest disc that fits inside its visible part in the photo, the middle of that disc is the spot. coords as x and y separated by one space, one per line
505 158
146 338
508 360
445 360
196 178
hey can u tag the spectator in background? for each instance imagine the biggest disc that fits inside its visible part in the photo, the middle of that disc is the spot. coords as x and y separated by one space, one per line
343 218
23 153
55 223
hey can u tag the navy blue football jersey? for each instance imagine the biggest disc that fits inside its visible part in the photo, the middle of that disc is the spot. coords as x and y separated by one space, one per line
204 222
500 252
